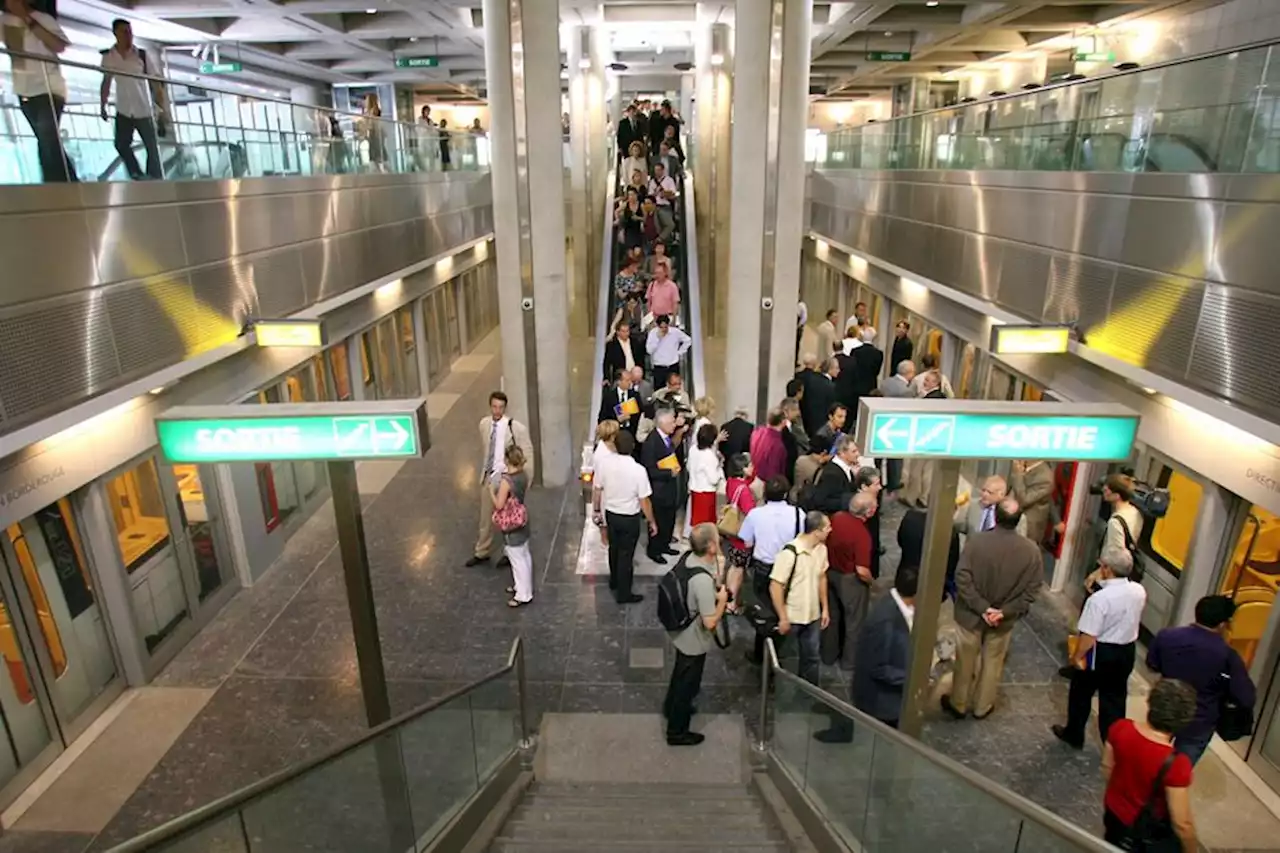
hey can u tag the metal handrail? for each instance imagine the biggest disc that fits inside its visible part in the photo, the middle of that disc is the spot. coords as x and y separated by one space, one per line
169 81
1026 808
236 800
1062 84
693 285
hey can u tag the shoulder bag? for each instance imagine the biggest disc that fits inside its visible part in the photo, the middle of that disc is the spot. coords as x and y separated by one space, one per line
731 517
1151 834
1235 721
513 514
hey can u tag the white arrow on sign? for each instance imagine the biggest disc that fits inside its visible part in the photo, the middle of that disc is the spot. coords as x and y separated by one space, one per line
886 434
395 439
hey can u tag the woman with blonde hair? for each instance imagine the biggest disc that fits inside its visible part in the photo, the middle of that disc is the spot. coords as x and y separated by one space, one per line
511 517
635 161
606 433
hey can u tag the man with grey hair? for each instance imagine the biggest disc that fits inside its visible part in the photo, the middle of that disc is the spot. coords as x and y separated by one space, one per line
1105 652
798 592
997 579
897 385
660 457
851 552
706 604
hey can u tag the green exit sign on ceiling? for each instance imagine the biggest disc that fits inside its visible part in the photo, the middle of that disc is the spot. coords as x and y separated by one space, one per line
417 61
888 56
1095 56
220 67
387 429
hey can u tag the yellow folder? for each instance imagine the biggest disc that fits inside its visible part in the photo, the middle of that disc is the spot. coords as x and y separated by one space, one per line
670 463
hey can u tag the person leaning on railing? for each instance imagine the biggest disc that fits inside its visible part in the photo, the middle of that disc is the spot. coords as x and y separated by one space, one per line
38 83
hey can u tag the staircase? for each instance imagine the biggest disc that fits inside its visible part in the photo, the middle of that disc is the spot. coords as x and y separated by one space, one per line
639 818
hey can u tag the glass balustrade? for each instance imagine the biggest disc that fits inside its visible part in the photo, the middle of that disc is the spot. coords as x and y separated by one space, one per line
57 131
1214 114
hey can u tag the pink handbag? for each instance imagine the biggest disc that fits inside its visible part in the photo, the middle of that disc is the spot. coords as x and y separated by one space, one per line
512 516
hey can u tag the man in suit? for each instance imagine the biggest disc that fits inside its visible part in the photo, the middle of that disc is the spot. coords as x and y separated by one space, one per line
613 403
737 431
627 132
897 385
902 345
662 445
1033 487
868 360
834 486
827 335
880 662
643 387
497 433
819 396
980 515
997 580
622 352
911 532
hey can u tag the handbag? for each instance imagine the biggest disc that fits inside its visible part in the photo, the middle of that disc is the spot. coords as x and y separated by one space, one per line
730 521
1151 834
761 614
1235 721
513 514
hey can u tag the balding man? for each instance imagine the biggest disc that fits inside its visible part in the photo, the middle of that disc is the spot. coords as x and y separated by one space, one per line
980 515
1104 656
850 552
997 580
660 457
897 385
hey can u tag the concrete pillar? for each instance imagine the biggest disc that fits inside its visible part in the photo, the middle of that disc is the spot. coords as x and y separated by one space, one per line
770 105
522 69
710 161
589 170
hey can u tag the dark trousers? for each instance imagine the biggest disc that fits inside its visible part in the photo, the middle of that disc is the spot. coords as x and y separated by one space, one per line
664 516
624 534
848 596
1109 678
146 130
43 112
893 474
660 374
686 681
760 589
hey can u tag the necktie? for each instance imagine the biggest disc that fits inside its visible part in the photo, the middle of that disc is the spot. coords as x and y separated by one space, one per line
493 441
988 518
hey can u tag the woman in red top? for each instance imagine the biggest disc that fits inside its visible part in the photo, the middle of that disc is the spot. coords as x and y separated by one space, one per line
740 473
1132 759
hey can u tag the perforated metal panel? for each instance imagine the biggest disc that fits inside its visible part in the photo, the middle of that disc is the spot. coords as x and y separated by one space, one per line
1227 359
1024 278
1152 321
43 367
152 320
278 279
1079 291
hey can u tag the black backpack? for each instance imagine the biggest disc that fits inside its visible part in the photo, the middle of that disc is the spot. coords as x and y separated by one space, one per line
1139 561
673 595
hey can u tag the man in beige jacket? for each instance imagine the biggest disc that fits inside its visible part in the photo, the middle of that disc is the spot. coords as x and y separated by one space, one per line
497 433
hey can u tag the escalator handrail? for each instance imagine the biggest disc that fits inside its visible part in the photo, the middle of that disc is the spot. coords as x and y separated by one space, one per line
605 310
693 304
236 800
1037 814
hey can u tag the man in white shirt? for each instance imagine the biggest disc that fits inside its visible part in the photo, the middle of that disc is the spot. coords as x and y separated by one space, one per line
619 495
39 85
861 319
666 345
1105 653
662 188
497 433
135 110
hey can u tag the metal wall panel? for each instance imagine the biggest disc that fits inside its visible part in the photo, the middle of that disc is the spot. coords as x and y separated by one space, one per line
147 274
1148 266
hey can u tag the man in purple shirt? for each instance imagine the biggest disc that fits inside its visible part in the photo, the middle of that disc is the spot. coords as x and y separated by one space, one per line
1198 655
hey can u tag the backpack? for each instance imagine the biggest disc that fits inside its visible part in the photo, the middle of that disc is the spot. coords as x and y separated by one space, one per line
761 614
1139 561
673 595
806 495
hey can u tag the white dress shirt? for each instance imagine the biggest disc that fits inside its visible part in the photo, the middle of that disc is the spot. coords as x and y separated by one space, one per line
665 350
657 188
623 483
133 97
628 359
30 76
1114 612
706 474
770 527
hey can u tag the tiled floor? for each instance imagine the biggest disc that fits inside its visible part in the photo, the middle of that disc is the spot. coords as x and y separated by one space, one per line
281 660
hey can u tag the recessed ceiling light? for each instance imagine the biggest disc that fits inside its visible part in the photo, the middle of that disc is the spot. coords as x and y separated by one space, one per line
413 38
888 32
371 11
931 3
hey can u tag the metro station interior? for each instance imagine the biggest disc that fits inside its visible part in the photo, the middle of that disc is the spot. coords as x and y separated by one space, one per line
336 209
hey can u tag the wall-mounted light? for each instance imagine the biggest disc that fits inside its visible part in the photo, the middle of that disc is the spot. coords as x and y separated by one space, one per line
684 66
617 66
717 45
584 48
288 333
931 3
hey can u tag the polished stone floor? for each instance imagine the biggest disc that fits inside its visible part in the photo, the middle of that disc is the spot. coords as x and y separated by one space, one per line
281 663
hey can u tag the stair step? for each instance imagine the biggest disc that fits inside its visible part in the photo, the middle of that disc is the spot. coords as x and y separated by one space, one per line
647 804
593 790
685 832
508 845
702 812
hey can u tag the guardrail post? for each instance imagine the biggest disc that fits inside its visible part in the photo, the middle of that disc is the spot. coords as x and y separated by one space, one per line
762 743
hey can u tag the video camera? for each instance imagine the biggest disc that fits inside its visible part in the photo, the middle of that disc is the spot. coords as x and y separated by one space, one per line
1151 501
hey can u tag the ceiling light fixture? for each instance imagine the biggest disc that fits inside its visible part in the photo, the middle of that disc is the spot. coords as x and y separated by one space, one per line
888 32
413 38
717 59
371 11
584 63
931 3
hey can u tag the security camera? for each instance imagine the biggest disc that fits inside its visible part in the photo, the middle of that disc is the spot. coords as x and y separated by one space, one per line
767 303
527 303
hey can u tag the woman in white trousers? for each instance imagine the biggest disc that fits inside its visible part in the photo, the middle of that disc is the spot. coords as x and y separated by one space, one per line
513 486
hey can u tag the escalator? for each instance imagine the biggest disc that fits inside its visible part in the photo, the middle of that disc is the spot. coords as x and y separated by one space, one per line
472 771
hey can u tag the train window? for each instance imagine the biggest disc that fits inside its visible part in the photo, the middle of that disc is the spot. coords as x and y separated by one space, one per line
1252 578
1168 539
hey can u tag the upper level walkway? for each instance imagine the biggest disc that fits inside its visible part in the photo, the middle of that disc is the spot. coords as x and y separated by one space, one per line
1139 207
